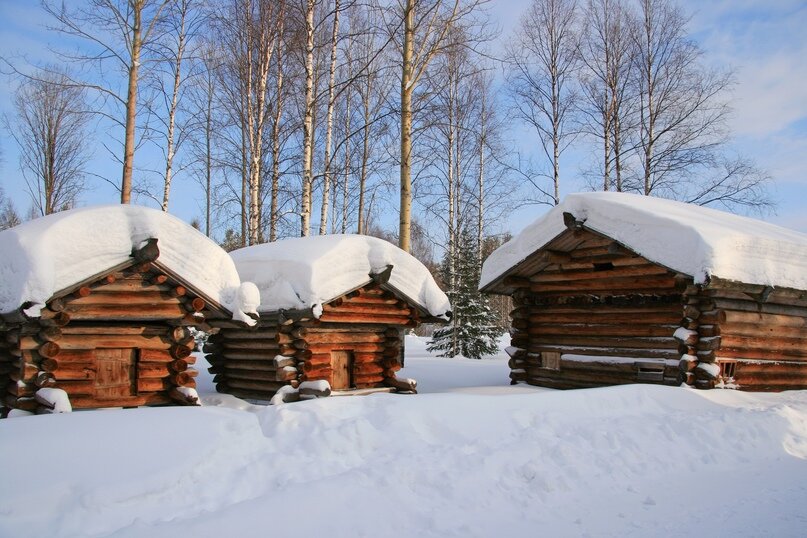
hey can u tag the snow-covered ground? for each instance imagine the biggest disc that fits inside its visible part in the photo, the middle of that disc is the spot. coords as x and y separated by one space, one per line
468 456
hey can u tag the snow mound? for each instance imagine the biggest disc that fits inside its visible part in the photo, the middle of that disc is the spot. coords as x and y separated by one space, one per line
49 254
301 273
694 240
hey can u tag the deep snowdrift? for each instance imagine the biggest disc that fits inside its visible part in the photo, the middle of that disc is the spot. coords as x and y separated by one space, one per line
695 240
305 272
623 461
48 254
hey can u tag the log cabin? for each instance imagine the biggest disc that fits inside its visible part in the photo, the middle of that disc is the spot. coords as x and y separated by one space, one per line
333 308
614 288
100 302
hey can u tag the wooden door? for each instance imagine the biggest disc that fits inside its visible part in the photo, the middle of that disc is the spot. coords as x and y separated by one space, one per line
342 365
115 375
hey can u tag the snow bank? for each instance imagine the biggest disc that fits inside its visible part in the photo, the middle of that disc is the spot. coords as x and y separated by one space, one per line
295 274
698 241
49 254
620 461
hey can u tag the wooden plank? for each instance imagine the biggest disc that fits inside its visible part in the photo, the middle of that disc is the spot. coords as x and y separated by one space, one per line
115 375
342 366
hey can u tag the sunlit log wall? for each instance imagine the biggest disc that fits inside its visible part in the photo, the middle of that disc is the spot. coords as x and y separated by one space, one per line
121 340
286 349
589 312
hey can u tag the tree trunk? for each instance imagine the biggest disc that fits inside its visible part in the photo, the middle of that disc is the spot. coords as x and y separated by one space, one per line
131 104
404 233
172 111
308 122
326 176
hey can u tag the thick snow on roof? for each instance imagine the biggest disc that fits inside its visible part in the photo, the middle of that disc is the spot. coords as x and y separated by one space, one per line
49 254
694 240
301 273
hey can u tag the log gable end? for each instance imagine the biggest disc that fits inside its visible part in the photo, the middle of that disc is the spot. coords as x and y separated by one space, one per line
119 339
590 312
356 344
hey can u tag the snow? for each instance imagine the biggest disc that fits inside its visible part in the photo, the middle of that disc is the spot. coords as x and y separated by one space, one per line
305 272
55 398
48 254
682 334
694 240
710 368
615 360
319 385
469 456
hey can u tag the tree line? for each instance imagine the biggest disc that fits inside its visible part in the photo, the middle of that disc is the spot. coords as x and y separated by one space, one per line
298 117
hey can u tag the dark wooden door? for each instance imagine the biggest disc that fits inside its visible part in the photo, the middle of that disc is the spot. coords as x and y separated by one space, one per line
115 375
342 365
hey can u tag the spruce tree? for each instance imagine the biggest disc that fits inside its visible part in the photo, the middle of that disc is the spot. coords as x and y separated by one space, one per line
473 330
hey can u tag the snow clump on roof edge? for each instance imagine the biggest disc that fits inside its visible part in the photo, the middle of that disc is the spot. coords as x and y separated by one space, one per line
305 272
46 255
695 240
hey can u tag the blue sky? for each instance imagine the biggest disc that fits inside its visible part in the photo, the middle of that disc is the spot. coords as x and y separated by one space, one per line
765 42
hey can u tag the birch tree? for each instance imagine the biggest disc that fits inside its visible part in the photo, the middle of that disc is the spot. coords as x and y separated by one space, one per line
115 33
607 57
542 62
427 22
183 20
51 132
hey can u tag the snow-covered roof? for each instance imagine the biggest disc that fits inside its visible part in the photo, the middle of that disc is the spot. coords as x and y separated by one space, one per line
697 241
302 273
47 255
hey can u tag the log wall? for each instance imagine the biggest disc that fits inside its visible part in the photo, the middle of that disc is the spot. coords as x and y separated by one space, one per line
369 323
589 313
139 311
753 336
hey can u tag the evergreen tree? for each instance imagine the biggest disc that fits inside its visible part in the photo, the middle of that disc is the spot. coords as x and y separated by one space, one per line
473 329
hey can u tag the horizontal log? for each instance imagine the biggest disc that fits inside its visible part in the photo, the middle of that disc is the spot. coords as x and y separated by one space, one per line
257 375
154 384
763 308
670 317
156 355
154 398
251 394
341 338
252 365
84 387
369 310
367 369
261 333
100 328
571 276
356 348
606 342
253 344
129 299
375 319
264 386
607 352
638 328
248 355
124 313
74 371
153 370
75 341
319 359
